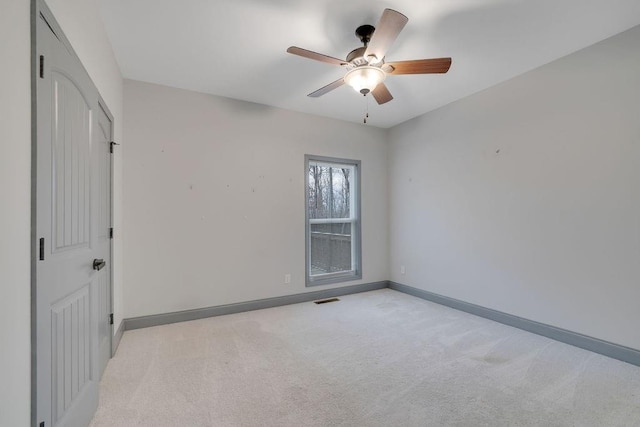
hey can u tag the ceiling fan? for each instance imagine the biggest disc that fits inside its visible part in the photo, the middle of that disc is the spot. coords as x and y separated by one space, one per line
366 67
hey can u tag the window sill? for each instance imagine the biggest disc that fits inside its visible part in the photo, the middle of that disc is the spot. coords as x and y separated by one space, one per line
331 278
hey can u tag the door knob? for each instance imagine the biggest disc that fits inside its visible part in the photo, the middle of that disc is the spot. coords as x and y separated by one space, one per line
98 264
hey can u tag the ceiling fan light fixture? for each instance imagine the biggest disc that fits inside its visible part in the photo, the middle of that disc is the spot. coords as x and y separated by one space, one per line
366 66
364 79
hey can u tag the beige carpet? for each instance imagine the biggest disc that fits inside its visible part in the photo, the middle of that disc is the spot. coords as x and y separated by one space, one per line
379 358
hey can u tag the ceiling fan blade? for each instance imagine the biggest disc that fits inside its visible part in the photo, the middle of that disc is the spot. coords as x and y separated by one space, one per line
381 94
327 88
314 55
387 30
418 66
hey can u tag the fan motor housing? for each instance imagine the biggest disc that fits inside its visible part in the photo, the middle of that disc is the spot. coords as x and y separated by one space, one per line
356 56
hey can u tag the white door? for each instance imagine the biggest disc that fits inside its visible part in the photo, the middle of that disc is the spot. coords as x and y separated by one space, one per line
72 215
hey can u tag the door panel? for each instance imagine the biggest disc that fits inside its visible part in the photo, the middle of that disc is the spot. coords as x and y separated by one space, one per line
71 162
72 208
71 349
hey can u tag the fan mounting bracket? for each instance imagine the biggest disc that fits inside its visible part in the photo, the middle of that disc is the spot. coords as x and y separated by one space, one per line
364 33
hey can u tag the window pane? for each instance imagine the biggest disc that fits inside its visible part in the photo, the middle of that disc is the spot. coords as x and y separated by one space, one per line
341 192
330 246
329 191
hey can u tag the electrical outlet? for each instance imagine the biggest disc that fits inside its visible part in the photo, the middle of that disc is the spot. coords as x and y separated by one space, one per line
287 279
402 269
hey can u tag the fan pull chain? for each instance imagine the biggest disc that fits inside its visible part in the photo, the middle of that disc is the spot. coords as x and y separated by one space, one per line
366 115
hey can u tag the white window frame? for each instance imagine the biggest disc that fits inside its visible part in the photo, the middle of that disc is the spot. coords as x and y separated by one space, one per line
355 219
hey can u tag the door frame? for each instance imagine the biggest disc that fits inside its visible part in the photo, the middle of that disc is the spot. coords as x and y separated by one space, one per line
107 112
40 7
103 106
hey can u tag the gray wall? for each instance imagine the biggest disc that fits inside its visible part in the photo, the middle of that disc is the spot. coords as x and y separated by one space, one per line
214 198
15 191
525 197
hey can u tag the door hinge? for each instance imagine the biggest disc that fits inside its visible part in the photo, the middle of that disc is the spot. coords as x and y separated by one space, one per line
111 144
42 66
111 319
42 249
111 233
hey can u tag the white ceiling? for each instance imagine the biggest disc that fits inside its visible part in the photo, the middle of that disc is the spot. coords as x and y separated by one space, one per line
236 48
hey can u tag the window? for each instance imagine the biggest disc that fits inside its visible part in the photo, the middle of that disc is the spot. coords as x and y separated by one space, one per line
333 220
